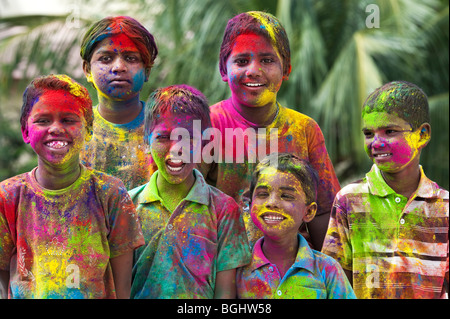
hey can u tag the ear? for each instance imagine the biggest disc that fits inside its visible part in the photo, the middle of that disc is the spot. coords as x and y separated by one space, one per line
311 210
147 73
286 76
87 71
425 135
224 77
25 135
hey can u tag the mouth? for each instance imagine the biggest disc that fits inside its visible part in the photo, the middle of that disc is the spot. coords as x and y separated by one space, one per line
253 85
57 145
119 81
272 218
174 165
381 155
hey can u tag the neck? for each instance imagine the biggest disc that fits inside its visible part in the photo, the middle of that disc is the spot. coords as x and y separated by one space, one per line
57 177
261 116
281 252
404 182
173 194
118 111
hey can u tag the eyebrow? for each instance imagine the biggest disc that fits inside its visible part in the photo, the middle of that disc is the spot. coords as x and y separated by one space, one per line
104 51
383 127
288 188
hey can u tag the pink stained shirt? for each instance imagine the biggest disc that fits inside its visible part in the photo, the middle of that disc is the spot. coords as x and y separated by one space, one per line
58 243
298 134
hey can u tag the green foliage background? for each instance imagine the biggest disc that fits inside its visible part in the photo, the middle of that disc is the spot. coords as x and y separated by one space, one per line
336 61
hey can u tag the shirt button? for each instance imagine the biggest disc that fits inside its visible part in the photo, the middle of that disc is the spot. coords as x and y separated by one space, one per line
279 292
398 199
170 226
271 269
402 221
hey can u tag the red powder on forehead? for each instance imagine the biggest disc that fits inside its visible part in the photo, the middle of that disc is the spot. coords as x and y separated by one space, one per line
62 101
250 42
123 42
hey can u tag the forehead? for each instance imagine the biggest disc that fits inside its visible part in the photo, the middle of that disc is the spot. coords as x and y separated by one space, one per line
118 43
270 176
252 42
54 101
376 120
169 120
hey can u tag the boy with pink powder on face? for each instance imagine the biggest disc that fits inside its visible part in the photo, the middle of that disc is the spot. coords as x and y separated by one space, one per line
66 231
254 61
118 54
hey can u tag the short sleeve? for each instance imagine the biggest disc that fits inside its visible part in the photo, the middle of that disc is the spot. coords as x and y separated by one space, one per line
337 241
7 243
125 232
233 247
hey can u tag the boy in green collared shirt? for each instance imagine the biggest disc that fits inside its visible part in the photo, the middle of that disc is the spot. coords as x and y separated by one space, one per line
194 234
389 230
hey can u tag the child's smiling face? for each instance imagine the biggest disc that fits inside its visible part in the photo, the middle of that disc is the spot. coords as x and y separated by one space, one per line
174 166
254 71
56 128
390 142
279 204
116 68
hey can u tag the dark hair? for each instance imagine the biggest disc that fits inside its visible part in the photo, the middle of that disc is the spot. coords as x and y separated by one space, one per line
290 163
53 82
403 99
111 26
180 98
257 22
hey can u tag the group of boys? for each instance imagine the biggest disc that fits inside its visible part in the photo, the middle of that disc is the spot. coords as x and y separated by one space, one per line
117 209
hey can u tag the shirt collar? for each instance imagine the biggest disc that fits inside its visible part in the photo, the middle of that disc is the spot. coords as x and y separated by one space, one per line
199 192
377 185
304 259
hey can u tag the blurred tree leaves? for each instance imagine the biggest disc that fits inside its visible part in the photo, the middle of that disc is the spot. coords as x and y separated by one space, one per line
336 60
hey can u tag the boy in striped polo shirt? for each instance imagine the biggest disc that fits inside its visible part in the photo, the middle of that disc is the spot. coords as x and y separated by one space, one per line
389 230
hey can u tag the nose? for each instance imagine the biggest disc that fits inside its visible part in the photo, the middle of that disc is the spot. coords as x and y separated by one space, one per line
180 150
378 142
119 65
253 69
56 128
272 201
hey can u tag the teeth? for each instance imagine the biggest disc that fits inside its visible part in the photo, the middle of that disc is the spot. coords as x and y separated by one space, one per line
382 155
253 84
175 161
57 144
174 169
273 218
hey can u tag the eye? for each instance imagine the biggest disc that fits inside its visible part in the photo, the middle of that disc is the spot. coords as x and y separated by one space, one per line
132 58
241 61
261 194
105 58
162 137
41 121
368 134
287 196
267 60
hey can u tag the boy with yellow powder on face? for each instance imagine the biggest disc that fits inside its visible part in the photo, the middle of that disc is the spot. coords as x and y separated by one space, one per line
118 54
283 195
389 230
254 61
66 231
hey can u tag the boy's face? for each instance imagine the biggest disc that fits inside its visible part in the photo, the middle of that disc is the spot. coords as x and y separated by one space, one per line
174 158
278 204
56 128
390 142
254 71
116 68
